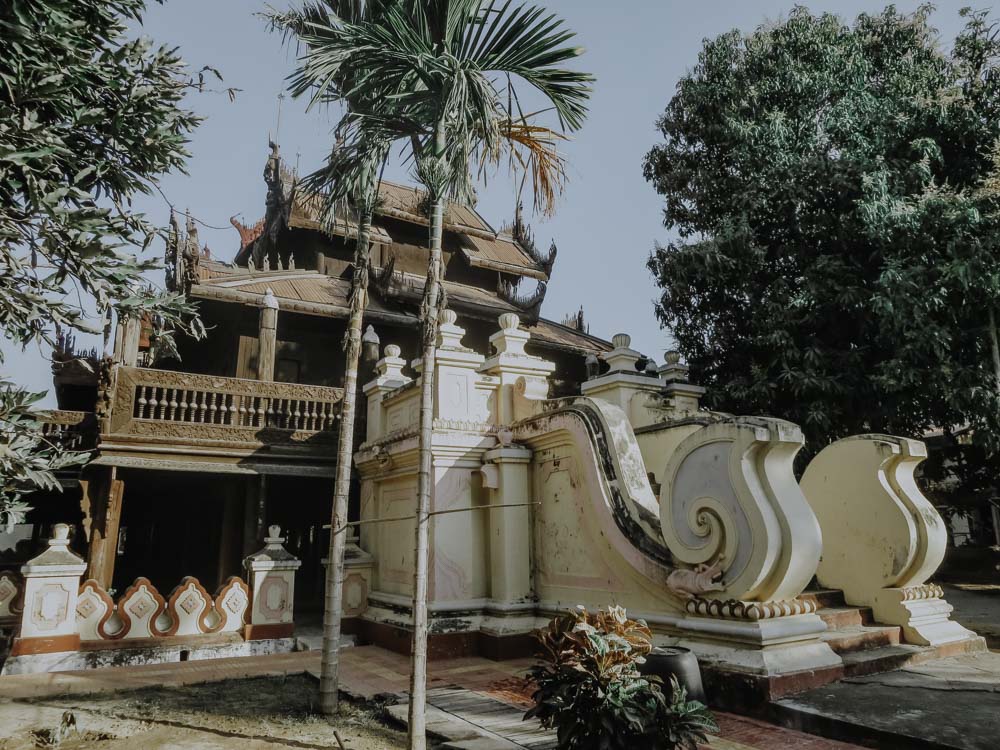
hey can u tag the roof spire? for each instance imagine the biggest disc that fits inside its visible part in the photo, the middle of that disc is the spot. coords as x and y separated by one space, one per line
277 124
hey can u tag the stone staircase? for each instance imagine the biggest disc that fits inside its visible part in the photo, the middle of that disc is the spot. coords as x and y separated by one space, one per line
869 648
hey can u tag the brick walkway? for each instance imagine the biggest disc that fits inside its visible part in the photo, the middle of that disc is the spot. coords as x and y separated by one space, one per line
367 671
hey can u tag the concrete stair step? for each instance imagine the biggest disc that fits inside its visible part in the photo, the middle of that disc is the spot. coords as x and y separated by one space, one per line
852 638
888 658
842 617
884 659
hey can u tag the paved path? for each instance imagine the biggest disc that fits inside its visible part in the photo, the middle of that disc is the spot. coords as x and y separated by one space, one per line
948 704
367 671
977 607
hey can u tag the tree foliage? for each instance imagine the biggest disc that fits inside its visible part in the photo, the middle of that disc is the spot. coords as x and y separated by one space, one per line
833 192
89 119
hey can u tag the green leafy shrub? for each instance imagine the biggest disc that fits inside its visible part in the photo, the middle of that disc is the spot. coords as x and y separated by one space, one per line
591 691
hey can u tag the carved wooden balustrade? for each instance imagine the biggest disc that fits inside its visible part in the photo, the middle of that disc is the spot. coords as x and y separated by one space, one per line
182 408
70 430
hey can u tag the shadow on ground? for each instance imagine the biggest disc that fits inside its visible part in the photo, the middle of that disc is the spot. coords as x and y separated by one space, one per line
245 714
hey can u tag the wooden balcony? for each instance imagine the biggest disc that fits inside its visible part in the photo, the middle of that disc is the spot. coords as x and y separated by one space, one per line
179 420
70 430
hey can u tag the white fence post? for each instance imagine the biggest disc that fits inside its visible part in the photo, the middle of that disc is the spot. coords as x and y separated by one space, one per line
272 583
51 584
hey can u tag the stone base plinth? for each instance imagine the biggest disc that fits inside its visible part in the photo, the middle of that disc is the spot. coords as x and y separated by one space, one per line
925 621
97 655
782 645
483 627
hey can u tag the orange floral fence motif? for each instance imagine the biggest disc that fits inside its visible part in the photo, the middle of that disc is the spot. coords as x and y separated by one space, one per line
141 612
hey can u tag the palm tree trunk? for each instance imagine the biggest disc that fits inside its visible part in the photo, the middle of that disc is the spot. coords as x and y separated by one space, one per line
995 346
329 674
418 664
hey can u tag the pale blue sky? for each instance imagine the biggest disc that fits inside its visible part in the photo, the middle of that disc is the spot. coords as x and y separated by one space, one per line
609 217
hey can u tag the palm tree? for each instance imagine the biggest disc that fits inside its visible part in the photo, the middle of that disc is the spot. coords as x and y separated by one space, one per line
444 57
431 70
351 175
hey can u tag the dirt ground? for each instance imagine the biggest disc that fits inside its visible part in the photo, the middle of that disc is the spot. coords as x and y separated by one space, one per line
247 714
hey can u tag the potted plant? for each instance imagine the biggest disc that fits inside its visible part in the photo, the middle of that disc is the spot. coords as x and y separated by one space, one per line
590 689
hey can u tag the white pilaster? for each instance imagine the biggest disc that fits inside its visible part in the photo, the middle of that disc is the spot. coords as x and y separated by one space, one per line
523 377
51 584
272 583
390 377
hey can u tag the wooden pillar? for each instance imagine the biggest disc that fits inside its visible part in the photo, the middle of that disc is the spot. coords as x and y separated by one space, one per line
230 536
103 503
267 337
254 514
127 341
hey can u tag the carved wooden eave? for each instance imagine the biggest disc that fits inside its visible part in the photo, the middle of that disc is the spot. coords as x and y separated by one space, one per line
248 234
501 267
529 304
404 288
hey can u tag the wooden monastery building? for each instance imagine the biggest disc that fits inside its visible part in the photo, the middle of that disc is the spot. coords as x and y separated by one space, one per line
195 457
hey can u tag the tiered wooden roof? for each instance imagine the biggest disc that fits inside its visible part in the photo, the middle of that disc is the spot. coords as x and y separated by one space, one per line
395 294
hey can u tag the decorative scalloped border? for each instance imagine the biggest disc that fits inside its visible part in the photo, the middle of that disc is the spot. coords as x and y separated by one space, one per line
16 605
231 582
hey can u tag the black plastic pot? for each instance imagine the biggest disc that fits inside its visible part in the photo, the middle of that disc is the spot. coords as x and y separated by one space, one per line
677 662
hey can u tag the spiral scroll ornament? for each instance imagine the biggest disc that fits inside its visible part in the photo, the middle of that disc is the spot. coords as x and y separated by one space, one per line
729 501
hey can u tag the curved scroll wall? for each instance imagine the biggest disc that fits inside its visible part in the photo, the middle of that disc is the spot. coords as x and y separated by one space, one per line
729 499
879 530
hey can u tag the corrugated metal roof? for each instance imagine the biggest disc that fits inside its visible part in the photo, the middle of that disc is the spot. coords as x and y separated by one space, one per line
550 332
301 286
501 254
409 199
483 247
312 287
307 208
213 269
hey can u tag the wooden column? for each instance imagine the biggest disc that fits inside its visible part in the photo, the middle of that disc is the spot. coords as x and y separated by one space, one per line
268 337
230 538
127 341
103 505
254 514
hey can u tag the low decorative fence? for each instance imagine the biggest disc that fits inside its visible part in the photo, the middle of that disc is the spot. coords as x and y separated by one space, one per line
55 615
11 598
141 612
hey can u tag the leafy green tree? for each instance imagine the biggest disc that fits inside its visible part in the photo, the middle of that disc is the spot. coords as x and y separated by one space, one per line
89 119
833 193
